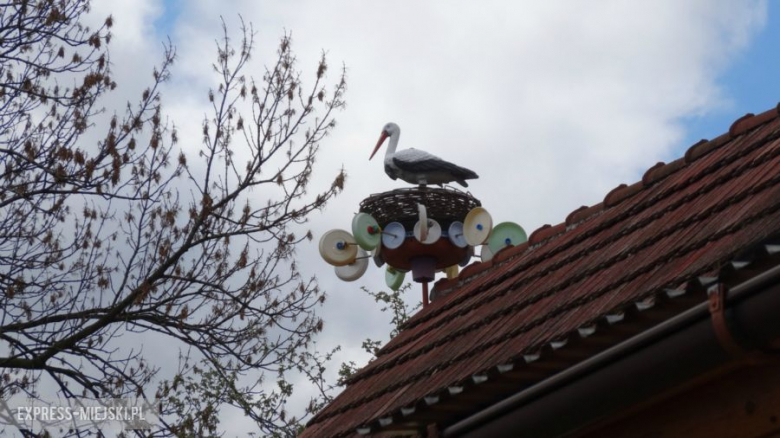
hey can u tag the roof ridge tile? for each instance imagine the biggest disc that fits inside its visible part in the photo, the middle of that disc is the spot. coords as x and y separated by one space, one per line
661 171
582 214
750 121
647 178
516 250
545 232
474 269
534 238
736 127
507 252
442 287
570 217
703 147
621 193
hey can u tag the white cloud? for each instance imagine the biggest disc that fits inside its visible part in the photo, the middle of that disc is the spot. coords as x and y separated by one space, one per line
552 103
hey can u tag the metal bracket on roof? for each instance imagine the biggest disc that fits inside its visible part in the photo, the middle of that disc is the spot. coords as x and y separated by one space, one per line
717 298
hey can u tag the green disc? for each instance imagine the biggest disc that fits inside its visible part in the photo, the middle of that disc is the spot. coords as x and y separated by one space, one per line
394 278
366 231
506 234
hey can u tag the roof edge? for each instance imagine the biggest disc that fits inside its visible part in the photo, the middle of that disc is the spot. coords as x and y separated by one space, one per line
754 301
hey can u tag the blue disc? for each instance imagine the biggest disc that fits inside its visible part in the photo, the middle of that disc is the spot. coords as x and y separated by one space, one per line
455 233
393 235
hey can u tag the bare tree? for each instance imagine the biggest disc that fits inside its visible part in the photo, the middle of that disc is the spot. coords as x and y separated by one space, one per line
109 243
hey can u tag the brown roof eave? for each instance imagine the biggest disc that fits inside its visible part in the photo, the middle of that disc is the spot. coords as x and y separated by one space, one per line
666 355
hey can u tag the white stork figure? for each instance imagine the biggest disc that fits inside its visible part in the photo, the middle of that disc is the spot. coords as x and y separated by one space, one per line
418 167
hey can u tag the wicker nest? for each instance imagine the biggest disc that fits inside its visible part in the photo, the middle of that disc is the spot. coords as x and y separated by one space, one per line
400 205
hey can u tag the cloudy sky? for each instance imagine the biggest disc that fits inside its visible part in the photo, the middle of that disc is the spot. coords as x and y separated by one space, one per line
552 103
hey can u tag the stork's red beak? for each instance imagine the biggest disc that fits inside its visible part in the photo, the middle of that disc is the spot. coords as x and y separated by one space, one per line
379 143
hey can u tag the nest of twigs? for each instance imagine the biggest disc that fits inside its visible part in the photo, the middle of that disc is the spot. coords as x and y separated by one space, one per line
445 205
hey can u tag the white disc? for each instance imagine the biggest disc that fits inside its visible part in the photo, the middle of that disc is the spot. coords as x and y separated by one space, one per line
422 233
456 236
486 253
434 232
393 235
477 226
354 270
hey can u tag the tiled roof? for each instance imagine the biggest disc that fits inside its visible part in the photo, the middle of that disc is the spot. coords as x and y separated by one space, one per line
515 314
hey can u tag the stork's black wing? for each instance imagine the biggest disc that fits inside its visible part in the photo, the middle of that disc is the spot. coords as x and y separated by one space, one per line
413 160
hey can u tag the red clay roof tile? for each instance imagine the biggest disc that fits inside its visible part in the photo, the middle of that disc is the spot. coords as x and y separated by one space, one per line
575 213
474 268
582 214
546 232
657 173
750 121
622 192
647 178
504 254
536 235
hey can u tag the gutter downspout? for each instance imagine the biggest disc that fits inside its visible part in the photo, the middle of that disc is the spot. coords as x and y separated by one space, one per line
663 356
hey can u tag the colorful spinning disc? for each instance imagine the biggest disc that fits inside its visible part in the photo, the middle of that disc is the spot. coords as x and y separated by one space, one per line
477 226
421 234
486 254
338 247
366 231
433 234
377 256
506 234
456 236
393 235
354 270
394 278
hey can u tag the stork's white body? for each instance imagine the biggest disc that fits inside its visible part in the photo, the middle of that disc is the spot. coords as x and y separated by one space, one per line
418 167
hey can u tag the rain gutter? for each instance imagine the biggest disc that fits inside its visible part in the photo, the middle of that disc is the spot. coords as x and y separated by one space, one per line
657 359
